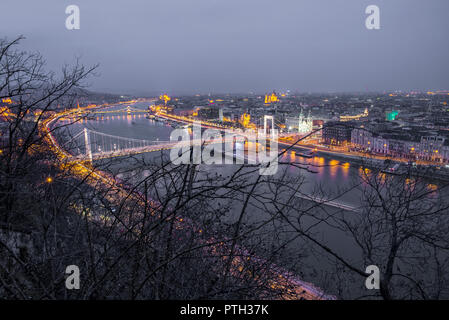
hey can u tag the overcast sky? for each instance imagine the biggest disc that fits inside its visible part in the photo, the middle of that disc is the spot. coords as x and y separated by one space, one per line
191 46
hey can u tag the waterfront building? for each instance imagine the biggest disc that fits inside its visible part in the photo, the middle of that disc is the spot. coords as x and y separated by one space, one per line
337 133
303 125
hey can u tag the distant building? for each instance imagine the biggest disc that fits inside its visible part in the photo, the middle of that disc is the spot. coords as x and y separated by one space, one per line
392 115
305 125
208 113
344 118
183 112
434 148
302 124
412 145
336 133
271 98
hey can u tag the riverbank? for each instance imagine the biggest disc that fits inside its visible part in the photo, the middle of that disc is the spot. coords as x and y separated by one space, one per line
428 173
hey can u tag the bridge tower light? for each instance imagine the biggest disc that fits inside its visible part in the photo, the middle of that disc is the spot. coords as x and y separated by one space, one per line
87 143
265 120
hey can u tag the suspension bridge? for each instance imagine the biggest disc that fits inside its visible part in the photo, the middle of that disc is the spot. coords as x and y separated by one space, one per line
127 110
93 145
328 202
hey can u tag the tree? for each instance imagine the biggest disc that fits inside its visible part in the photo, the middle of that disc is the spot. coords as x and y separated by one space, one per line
401 226
156 237
33 94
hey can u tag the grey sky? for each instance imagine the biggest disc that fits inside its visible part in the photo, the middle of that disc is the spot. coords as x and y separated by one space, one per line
192 46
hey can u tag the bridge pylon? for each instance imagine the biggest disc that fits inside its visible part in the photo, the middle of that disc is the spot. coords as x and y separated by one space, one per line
265 120
87 144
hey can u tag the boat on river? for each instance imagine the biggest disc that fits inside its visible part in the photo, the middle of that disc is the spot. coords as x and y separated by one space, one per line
395 169
306 154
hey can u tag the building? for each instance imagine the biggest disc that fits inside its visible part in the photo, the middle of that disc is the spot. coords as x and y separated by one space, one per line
183 112
303 125
403 146
392 115
365 140
208 113
337 133
272 98
434 148
344 118
411 145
